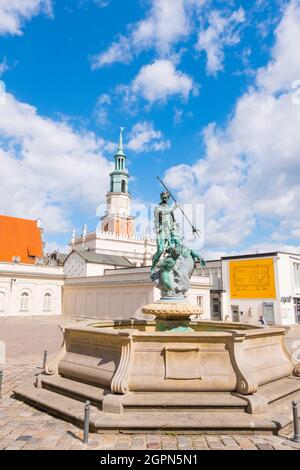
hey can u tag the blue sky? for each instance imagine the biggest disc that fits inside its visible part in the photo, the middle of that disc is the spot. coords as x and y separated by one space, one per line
207 92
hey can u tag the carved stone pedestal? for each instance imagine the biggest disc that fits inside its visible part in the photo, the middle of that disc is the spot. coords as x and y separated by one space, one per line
172 310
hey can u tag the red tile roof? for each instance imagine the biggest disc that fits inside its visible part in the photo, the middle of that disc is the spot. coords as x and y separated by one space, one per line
20 237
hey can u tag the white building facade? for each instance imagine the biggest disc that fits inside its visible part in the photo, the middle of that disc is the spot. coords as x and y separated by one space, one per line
266 284
138 250
121 294
29 290
89 263
213 270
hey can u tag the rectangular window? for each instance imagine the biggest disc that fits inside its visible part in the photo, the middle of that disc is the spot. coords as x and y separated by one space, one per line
269 312
216 308
200 301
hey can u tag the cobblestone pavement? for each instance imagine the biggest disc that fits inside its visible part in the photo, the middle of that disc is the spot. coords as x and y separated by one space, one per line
24 427
30 336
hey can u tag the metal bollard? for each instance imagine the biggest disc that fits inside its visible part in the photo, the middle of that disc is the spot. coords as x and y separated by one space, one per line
45 359
86 424
296 422
38 381
1 379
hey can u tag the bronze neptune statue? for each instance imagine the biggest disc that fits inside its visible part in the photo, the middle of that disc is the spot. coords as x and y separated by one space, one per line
173 263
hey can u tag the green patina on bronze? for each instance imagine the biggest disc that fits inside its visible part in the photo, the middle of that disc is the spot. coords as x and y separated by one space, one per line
173 263
174 326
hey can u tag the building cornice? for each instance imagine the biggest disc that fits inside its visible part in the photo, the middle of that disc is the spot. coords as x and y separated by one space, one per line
119 172
100 235
144 280
259 255
86 282
28 275
255 255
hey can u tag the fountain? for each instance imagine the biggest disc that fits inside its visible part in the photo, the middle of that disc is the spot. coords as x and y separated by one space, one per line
173 372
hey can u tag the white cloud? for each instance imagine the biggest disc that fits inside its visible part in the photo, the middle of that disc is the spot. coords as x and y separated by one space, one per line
119 51
178 115
284 68
101 111
166 23
47 168
101 3
255 248
13 13
170 21
222 31
160 80
144 138
54 246
4 67
250 173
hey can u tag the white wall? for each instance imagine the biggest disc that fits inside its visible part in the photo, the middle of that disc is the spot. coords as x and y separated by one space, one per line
250 309
120 294
96 269
285 288
118 204
133 248
106 302
200 287
36 281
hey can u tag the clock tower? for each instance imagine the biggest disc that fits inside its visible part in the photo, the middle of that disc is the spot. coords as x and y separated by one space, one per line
117 218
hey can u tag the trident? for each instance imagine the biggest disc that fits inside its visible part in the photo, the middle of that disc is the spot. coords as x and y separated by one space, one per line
194 229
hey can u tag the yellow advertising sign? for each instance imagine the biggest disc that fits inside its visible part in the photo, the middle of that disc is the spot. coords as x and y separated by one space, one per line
252 279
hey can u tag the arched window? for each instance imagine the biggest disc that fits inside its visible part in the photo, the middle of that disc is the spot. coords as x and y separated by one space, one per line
47 302
2 301
123 187
24 302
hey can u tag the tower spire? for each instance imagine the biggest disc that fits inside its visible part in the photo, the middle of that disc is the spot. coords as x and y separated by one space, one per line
117 218
120 152
121 139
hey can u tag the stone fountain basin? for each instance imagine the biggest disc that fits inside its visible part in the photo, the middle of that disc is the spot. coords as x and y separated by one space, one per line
130 356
